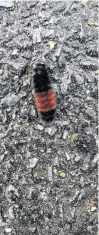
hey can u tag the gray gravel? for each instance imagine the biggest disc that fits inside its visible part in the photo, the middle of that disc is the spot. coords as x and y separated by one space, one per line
48 173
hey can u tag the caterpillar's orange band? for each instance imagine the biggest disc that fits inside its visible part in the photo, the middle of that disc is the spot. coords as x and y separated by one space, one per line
45 101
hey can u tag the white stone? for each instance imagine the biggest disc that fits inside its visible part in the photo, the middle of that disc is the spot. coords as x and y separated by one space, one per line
33 161
65 134
39 127
8 230
67 156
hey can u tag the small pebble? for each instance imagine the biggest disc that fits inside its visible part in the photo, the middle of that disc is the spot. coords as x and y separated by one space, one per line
50 174
36 36
90 112
79 79
39 127
15 52
82 195
51 44
75 197
74 136
95 159
62 174
83 2
10 212
1 157
35 174
77 158
65 134
56 161
8 230
82 181
58 52
67 156
43 196
51 130
73 212
49 150
94 208
92 204
33 162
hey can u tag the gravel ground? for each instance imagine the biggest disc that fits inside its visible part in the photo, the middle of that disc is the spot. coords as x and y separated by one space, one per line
48 173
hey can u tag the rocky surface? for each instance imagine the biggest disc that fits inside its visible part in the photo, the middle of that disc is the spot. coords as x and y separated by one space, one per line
48 174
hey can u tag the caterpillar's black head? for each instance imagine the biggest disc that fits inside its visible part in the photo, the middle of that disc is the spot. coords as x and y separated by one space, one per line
40 68
41 78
